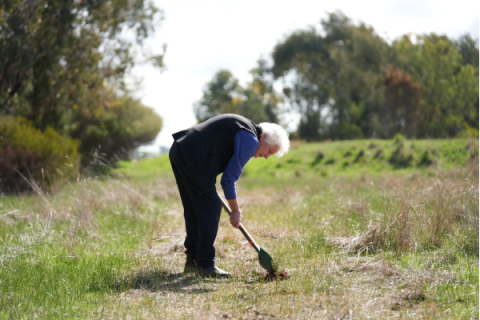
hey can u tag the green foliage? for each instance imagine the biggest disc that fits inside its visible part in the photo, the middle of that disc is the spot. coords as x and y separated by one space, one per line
30 158
318 158
425 159
348 153
337 78
62 63
348 83
359 155
115 132
449 87
403 108
468 48
258 101
401 157
399 138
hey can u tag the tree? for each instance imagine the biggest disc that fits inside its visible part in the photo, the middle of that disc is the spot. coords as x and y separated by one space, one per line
261 95
449 88
403 109
339 82
258 101
63 62
219 96
333 80
115 132
468 48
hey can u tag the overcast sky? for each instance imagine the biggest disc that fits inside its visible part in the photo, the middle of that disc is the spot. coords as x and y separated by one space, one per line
204 36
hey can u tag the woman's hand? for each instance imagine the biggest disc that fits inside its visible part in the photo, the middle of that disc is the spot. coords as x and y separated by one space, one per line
236 215
236 218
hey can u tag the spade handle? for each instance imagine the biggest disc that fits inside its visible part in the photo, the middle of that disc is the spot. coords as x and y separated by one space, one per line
241 227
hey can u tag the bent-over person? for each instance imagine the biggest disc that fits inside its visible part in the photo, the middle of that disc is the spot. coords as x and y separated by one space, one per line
222 144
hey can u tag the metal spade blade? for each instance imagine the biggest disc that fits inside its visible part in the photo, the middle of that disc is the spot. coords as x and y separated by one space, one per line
266 261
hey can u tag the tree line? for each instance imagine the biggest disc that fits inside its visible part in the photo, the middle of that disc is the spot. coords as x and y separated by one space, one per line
346 82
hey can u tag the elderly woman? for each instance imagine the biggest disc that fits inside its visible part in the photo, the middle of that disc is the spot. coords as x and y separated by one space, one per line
224 143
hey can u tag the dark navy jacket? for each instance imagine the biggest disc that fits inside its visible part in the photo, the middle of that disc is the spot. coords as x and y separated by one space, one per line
208 146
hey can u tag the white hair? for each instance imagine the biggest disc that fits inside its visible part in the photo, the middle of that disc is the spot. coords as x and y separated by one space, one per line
276 136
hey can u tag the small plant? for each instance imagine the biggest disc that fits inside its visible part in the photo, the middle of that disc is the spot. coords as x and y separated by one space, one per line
293 160
330 161
378 154
318 158
425 160
359 155
400 157
348 152
398 139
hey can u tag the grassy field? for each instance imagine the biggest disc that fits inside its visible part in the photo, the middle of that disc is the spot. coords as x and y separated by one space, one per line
366 230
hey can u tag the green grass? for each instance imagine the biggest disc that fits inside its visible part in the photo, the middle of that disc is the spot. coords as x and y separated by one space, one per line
341 158
373 238
352 158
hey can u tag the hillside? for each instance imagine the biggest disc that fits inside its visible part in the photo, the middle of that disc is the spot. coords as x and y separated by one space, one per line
344 158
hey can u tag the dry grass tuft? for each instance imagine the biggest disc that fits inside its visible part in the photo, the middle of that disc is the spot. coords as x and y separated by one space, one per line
174 243
86 204
418 213
382 267
367 242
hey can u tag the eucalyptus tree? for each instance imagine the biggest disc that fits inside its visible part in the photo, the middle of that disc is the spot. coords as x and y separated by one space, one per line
334 78
449 83
257 101
63 62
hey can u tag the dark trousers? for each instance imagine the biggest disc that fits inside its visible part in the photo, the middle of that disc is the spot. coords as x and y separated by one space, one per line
201 212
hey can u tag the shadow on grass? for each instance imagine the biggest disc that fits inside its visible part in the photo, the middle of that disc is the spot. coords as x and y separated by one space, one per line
163 281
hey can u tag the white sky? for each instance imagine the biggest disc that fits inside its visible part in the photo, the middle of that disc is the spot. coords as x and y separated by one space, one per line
204 36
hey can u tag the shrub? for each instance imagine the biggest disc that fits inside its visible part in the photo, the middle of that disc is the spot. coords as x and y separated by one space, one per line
399 138
330 161
425 159
318 158
400 157
42 158
359 155
348 152
378 154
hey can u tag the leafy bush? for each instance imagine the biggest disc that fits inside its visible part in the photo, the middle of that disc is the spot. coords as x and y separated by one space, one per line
399 138
425 159
318 158
330 161
116 132
359 155
378 154
400 157
348 153
26 153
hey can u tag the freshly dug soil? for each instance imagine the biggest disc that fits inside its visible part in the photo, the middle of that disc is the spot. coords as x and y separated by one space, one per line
273 276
